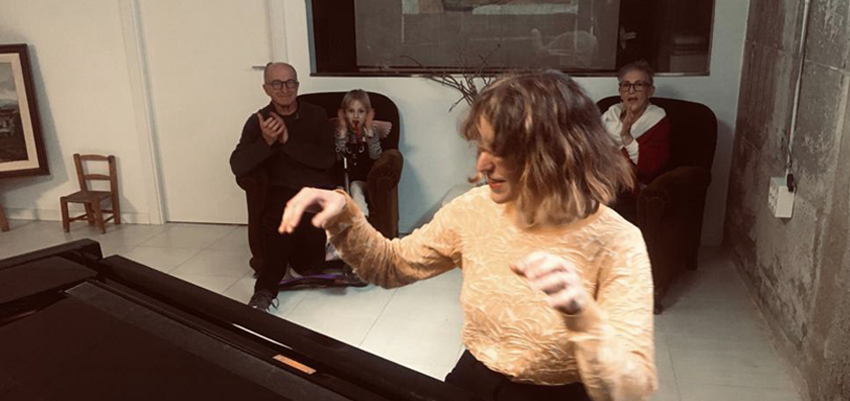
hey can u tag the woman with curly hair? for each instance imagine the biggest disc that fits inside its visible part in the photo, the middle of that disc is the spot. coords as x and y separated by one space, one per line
557 289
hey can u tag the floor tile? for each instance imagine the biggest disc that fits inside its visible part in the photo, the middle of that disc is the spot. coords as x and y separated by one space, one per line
726 324
34 236
15 223
438 372
425 302
452 279
729 367
242 289
367 302
710 392
131 234
348 329
414 341
663 362
216 263
189 235
215 284
667 391
162 259
236 240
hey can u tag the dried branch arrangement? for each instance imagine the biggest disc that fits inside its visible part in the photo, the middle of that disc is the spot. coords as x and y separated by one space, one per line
464 81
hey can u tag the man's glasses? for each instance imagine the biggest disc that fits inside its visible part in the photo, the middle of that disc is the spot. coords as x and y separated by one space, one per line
638 86
289 84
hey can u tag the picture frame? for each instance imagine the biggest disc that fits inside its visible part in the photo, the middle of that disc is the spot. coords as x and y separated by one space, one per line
22 150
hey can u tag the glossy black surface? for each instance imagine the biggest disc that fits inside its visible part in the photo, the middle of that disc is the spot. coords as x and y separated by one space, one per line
103 329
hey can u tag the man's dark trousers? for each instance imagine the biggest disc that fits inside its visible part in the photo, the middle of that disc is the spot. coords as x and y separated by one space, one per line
304 249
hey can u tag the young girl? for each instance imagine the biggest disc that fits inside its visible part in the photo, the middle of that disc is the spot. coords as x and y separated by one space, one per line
358 141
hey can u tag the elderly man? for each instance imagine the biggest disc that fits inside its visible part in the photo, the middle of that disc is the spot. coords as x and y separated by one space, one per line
293 141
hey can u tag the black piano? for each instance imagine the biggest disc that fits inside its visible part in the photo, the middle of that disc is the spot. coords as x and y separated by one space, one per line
77 326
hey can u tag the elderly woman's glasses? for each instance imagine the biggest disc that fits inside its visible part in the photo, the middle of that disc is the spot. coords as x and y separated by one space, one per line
289 84
638 86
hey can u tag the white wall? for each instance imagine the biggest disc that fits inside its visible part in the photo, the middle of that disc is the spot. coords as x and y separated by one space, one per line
84 89
83 92
437 159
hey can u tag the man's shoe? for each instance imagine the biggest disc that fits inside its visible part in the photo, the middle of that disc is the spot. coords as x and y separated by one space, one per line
263 300
350 279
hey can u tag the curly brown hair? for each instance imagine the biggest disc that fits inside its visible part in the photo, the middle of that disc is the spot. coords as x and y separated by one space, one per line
547 128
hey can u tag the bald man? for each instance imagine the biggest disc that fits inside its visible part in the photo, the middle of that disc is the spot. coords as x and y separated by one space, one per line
293 143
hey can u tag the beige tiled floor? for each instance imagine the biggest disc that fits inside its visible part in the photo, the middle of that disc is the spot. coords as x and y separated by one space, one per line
711 342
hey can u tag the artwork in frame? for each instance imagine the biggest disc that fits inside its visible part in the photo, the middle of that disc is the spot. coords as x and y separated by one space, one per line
21 145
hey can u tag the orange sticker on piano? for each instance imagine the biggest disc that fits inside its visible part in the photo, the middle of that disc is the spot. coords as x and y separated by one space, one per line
294 364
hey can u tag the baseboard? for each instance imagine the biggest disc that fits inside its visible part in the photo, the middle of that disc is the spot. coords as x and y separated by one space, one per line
56 215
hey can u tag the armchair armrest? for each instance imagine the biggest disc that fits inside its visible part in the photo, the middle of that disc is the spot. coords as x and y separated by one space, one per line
673 192
255 186
681 180
250 181
386 170
382 182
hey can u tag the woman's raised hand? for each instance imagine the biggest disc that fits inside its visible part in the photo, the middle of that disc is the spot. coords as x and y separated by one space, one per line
557 277
326 204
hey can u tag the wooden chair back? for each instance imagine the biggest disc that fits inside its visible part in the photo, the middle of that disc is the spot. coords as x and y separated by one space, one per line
91 197
83 177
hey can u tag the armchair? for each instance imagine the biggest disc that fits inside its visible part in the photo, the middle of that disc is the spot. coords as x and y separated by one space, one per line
382 180
670 209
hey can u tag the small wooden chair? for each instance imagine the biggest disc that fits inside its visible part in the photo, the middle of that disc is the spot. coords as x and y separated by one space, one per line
92 199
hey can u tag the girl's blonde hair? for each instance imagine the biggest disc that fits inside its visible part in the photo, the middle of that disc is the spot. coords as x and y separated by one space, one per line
356 94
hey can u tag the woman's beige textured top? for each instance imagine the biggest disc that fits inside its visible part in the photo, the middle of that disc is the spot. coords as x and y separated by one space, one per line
508 326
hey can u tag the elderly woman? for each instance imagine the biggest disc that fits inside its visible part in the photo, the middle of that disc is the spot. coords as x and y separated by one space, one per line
640 129
557 290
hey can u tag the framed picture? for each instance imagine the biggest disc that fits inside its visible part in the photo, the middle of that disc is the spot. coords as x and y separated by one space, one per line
21 145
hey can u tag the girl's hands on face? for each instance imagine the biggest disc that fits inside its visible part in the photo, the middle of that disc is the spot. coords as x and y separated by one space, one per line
341 123
370 118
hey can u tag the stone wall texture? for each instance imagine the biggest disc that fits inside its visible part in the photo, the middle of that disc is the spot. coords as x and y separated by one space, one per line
798 268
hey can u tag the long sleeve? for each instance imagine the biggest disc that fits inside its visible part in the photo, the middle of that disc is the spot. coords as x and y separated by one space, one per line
509 325
427 252
251 150
613 336
373 142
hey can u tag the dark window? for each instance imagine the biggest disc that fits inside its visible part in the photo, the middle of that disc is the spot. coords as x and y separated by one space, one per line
387 37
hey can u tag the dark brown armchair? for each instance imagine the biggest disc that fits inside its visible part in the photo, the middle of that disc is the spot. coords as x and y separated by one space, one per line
382 181
670 208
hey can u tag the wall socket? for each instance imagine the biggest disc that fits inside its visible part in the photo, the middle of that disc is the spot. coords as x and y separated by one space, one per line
780 199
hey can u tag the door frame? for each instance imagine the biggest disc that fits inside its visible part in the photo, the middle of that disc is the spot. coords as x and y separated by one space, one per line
140 93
